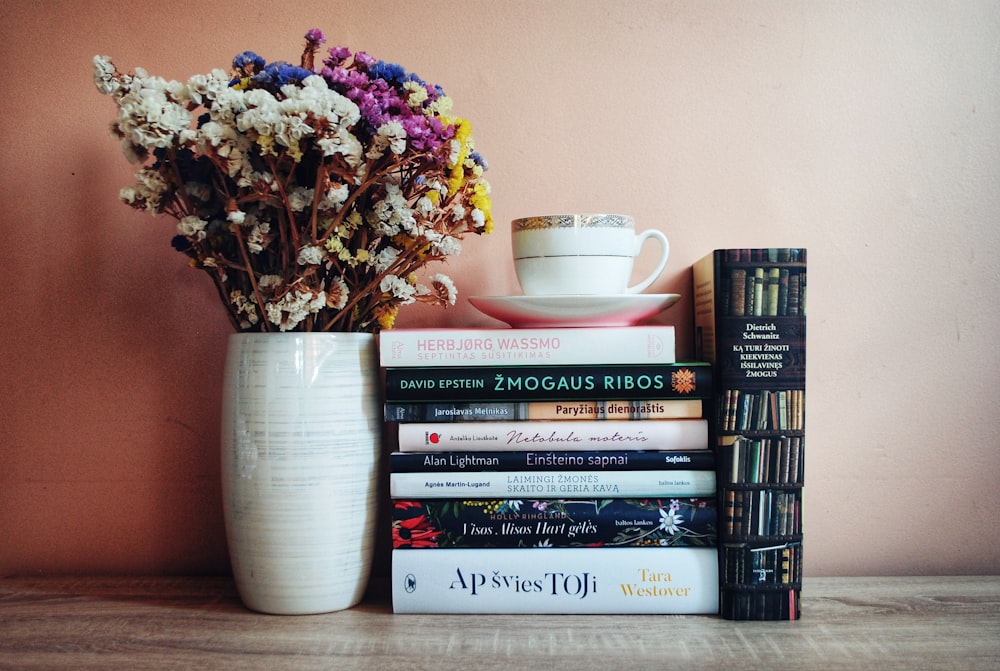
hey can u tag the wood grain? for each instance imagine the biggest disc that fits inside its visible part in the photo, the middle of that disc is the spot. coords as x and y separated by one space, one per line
147 623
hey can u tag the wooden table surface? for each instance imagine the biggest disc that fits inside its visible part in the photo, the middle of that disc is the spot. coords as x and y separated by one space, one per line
141 623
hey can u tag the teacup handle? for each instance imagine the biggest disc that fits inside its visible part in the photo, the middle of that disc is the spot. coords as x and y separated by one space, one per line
664 253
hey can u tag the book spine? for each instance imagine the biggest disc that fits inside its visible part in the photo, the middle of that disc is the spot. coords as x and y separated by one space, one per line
549 383
651 434
764 515
678 581
758 292
748 291
491 411
506 347
550 522
552 483
772 286
763 460
737 293
476 462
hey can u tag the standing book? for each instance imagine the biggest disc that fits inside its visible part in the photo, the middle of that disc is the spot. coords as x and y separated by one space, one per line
750 323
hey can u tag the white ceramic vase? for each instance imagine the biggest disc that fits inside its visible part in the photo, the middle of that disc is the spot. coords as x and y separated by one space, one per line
301 440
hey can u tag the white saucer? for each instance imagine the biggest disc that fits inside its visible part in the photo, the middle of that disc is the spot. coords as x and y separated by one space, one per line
567 311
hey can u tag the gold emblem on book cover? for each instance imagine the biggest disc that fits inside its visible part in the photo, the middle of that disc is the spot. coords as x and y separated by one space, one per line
682 381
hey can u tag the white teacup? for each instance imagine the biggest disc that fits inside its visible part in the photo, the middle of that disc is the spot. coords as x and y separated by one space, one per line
581 254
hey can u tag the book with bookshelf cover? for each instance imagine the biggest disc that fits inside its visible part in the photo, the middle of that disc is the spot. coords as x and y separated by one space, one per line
619 483
631 580
492 411
650 434
691 380
750 323
528 346
595 460
577 522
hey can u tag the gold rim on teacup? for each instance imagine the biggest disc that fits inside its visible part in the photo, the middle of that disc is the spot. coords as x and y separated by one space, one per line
572 221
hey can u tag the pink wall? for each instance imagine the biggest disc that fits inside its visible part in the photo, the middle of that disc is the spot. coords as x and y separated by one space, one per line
868 133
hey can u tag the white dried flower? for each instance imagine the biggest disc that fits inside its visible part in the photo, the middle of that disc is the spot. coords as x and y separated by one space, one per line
192 227
310 255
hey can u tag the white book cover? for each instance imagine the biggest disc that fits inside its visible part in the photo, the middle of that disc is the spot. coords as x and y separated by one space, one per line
507 484
651 434
529 346
677 580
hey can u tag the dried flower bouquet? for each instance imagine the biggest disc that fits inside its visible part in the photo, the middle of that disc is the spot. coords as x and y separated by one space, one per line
311 194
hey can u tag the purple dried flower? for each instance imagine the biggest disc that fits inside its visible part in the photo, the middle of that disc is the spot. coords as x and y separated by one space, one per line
337 56
364 61
315 36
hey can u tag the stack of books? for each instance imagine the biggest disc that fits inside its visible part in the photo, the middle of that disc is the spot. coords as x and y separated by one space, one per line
550 471
750 322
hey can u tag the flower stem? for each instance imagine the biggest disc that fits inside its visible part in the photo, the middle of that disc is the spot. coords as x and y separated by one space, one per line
238 232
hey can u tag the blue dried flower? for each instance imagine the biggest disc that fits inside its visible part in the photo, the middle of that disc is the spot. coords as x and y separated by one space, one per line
249 61
279 73
479 160
390 72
